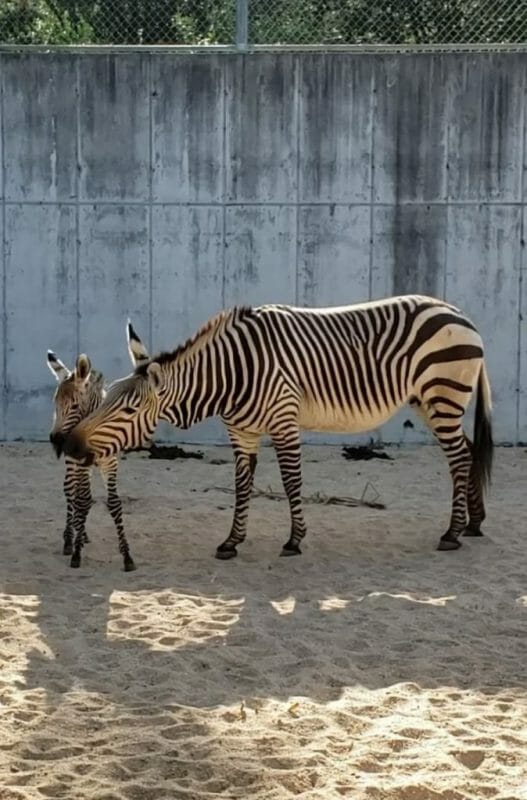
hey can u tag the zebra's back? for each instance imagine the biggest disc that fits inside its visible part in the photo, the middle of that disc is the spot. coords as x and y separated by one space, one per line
354 366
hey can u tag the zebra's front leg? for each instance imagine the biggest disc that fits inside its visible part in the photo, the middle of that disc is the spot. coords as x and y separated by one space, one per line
113 503
82 505
287 446
245 448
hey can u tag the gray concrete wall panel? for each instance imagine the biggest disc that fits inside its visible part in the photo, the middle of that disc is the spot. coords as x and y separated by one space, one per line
261 129
522 351
41 310
188 129
187 288
335 120
167 186
3 340
40 139
187 282
486 127
409 250
334 255
410 129
114 282
260 252
483 271
114 109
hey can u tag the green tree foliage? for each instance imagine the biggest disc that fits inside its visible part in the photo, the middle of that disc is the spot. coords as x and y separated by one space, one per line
270 21
117 21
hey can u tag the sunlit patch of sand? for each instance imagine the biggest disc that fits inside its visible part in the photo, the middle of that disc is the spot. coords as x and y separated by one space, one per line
168 619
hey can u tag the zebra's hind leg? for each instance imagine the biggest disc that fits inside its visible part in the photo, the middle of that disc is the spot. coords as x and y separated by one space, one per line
82 505
444 420
476 506
450 435
113 502
245 448
287 447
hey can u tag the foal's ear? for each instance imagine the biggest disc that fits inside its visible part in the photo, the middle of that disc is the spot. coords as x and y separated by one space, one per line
83 367
136 348
59 370
155 376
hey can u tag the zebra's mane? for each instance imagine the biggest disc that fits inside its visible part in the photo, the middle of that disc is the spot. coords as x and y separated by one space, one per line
200 338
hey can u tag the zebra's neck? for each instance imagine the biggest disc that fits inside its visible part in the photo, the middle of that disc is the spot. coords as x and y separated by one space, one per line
196 385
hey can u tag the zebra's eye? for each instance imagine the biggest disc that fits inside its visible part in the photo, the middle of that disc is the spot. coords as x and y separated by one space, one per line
129 410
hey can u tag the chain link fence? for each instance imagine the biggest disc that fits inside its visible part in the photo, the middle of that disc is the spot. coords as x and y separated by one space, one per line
411 22
264 22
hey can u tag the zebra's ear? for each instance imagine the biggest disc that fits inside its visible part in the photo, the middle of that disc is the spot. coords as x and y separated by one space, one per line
59 370
136 348
83 367
155 376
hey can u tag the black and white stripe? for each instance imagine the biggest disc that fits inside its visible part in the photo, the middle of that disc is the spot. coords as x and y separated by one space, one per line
278 369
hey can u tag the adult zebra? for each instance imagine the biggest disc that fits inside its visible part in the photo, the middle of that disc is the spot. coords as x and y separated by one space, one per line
277 369
79 392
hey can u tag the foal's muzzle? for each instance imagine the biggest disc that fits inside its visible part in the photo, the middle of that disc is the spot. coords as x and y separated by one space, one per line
57 441
75 448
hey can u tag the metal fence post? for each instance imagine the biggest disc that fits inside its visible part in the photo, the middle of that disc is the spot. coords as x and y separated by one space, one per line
242 24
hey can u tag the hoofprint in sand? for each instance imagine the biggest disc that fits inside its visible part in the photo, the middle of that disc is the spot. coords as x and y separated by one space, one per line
371 667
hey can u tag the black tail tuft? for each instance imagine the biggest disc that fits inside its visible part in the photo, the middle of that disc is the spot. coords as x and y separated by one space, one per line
483 446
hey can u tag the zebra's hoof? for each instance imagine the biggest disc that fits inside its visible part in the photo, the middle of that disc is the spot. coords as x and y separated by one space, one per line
67 550
225 552
472 531
75 561
86 539
129 565
449 542
291 550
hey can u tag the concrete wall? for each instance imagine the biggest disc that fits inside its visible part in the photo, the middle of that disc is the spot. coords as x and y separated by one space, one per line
168 186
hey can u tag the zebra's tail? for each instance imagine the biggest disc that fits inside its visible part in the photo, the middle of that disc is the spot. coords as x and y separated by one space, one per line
482 447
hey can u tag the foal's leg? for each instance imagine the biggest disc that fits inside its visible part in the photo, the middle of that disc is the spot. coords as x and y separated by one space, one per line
69 492
113 502
82 505
70 487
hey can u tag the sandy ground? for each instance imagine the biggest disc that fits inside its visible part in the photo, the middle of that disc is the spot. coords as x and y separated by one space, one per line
372 667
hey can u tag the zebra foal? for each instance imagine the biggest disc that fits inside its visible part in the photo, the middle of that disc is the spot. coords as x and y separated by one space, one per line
79 392
278 369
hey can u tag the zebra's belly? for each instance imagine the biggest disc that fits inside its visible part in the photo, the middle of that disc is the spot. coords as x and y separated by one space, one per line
336 420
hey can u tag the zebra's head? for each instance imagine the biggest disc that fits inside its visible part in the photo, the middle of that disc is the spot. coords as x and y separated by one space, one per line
78 392
182 387
125 420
